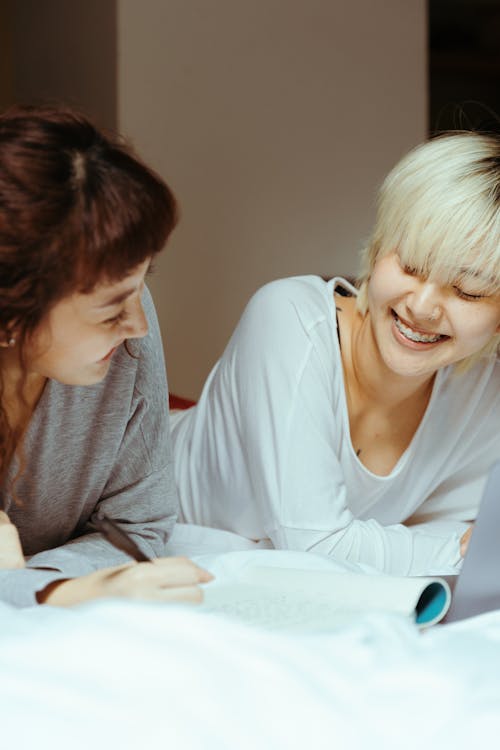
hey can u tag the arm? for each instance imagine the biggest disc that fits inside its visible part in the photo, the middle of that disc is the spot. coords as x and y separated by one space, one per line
163 580
454 504
172 579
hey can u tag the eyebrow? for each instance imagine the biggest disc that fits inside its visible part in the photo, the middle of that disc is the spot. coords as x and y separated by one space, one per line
477 273
116 299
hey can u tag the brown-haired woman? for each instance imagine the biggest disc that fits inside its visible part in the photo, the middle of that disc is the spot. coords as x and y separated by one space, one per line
83 399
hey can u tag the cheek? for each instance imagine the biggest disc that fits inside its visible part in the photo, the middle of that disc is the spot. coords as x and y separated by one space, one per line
64 353
381 289
479 323
497 328
38 349
49 361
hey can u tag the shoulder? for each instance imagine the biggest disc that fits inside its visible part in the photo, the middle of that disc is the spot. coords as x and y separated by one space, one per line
288 325
294 288
307 300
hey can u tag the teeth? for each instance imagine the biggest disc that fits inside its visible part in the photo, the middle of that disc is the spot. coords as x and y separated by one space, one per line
409 333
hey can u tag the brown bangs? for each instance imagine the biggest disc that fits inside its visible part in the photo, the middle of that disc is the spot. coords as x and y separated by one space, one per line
77 207
116 223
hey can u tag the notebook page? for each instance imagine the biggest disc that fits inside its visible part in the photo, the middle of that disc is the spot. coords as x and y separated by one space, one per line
317 600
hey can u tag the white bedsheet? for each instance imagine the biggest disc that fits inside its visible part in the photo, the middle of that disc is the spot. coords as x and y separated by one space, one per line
126 674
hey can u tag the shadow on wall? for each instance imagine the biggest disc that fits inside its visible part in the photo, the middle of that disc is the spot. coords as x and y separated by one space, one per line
464 64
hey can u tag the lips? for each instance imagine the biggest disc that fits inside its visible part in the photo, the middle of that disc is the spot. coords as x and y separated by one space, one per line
109 354
415 334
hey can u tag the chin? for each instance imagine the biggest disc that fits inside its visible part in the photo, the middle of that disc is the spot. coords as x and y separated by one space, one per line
411 367
84 378
414 372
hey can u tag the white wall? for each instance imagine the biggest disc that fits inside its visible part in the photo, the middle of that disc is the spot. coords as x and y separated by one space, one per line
273 121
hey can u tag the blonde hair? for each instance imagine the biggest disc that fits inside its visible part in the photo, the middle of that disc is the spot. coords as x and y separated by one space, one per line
440 209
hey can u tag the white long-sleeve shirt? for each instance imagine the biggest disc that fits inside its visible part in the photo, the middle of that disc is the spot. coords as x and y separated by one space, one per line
267 454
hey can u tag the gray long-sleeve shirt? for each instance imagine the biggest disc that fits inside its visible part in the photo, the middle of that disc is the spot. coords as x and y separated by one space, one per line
105 446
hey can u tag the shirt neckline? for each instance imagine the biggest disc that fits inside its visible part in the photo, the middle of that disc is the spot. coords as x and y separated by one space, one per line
402 460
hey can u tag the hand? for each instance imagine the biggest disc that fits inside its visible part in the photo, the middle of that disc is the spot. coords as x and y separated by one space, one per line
465 539
164 579
11 552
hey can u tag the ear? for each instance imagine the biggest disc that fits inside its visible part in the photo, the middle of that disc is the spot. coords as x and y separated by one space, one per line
8 339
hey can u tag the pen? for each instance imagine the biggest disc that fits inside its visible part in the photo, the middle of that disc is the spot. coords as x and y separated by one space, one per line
118 537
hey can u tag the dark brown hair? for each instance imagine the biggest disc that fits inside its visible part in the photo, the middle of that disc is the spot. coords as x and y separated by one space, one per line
77 207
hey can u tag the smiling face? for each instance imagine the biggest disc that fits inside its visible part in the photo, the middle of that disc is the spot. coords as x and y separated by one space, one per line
420 326
438 207
76 341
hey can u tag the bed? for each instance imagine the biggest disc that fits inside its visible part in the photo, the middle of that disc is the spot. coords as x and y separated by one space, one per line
129 674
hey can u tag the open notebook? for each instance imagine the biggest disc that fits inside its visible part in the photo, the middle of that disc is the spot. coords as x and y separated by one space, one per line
317 600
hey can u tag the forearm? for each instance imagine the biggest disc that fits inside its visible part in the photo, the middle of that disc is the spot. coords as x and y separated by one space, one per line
149 524
395 550
79 556
164 579
20 587
88 553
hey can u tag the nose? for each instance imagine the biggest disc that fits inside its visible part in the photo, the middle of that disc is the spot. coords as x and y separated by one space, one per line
136 324
424 301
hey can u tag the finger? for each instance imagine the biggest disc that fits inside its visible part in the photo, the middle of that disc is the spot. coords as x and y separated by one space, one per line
192 594
464 541
206 576
11 553
181 570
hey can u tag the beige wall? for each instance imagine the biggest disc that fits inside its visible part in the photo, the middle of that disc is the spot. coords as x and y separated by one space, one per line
274 121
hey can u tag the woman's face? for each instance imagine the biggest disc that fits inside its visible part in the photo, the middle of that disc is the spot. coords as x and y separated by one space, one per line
74 344
420 326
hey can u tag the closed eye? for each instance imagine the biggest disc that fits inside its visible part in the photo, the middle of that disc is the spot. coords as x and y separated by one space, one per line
465 295
115 319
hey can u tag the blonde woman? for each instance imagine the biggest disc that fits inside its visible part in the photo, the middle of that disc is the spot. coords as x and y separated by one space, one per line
360 423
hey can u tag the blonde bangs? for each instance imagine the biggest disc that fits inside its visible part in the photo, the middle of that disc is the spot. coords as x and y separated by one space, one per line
464 248
439 209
